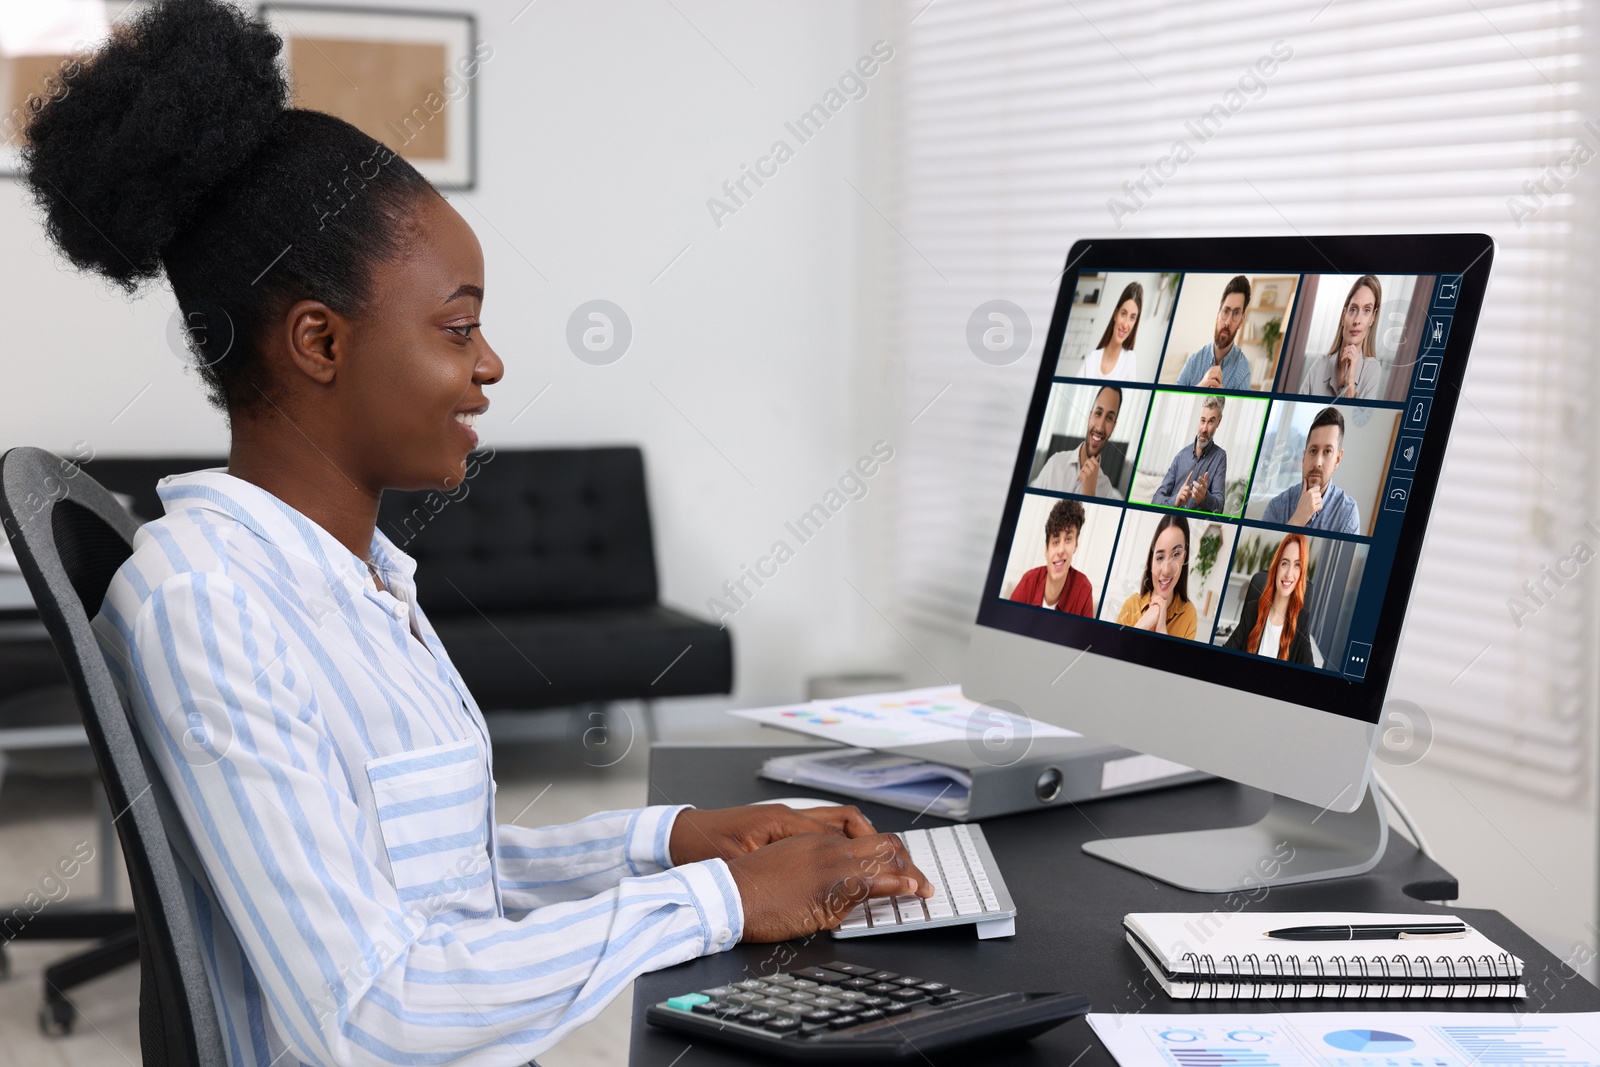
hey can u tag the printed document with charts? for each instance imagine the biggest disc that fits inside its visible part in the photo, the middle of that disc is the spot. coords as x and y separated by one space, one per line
1228 955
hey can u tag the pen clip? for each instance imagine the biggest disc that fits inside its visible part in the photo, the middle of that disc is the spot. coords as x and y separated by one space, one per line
1456 936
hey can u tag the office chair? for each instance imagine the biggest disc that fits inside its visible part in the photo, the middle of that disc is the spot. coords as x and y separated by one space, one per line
70 535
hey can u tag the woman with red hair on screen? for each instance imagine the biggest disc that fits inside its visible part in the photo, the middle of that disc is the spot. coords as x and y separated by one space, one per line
1269 625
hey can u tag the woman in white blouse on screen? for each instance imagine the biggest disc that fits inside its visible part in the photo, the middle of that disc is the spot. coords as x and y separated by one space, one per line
1113 358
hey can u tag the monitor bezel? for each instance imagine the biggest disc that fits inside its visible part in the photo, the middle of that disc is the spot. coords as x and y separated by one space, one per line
1467 255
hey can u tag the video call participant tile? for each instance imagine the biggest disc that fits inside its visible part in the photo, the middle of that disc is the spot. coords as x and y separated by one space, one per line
1087 439
1118 326
1060 553
1198 451
1322 466
1227 331
1356 336
1289 596
1167 573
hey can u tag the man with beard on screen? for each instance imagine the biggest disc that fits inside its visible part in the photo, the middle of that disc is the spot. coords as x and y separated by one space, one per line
1077 470
1316 503
1221 364
1198 475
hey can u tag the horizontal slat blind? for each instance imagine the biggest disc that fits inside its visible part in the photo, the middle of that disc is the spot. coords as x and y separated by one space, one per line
1018 122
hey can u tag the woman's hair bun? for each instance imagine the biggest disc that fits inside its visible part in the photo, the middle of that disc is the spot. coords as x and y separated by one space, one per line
128 144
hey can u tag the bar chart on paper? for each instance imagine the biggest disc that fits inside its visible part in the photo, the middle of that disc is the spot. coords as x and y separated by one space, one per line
1348 1039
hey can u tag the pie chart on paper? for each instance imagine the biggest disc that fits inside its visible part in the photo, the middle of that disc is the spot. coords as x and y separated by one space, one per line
1379 1041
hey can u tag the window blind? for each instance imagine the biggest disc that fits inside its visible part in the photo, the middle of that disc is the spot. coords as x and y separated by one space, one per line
1021 127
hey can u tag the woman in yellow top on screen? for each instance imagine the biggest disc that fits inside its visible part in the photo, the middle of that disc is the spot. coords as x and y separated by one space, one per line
1113 357
1162 603
1350 368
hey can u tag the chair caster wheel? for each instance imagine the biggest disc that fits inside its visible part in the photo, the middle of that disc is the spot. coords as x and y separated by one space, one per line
56 1018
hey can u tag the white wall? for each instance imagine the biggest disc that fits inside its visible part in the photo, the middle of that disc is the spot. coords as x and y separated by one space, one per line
603 129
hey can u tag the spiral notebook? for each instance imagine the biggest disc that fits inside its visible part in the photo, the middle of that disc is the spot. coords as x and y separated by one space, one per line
1221 955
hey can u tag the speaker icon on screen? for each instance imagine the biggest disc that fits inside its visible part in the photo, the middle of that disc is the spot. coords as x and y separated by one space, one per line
1410 454
1406 455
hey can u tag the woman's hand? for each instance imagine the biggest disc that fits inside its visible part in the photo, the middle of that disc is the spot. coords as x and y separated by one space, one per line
1154 615
1158 604
809 882
726 833
1349 360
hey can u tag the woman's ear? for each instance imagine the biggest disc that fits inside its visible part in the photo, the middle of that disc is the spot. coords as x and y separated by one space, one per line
315 337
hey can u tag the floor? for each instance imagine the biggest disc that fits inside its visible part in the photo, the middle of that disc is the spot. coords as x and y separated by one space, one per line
565 767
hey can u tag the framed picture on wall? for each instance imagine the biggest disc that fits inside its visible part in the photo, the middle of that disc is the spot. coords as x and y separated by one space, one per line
409 79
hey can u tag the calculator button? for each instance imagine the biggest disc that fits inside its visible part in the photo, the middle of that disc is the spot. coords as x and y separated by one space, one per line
826 1002
883 976
906 996
820 1015
841 1022
687 1001
875 1002
757 1018
771 1004
934 987
859 983
755 985
907 980
852 969
896 1009
812 974
801 983
884 987
709 1007
787 1008
802 997
869 1015
719 991
781 1026
848 996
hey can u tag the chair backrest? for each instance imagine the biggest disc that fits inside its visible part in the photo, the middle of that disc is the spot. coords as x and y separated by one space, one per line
530 530
70 535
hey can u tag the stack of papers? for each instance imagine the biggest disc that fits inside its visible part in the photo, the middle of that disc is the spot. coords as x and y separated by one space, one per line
908 717
898 781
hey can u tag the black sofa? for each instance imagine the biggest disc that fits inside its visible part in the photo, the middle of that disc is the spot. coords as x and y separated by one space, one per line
538 572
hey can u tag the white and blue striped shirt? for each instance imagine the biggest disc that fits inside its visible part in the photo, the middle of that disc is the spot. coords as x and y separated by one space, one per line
355 900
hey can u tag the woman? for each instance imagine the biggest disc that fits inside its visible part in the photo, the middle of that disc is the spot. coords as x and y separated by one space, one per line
1058 585
1113 357
1350 368
1269 625
356 899
1162 603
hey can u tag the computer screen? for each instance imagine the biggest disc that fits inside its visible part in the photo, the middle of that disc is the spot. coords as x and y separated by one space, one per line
1230 453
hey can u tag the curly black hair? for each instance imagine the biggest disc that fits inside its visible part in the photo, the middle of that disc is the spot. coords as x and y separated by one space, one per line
174 149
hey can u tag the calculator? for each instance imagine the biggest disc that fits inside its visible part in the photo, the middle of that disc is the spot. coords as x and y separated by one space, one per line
851 1011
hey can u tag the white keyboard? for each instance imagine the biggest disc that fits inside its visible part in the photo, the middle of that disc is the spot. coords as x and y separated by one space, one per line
967 888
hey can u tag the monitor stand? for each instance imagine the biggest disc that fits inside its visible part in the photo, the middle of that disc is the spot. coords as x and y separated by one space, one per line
1293 842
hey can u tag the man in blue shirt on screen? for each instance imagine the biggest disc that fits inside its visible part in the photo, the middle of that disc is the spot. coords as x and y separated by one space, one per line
1198 476
1316 503
1221 364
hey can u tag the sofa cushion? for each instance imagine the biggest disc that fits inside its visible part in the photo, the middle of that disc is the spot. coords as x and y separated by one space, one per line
514 660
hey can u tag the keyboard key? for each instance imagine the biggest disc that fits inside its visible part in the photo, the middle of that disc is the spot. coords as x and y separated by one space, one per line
781 1026
856 920
687 1001
911 911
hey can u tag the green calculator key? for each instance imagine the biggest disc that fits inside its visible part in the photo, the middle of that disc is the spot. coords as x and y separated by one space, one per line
687 1001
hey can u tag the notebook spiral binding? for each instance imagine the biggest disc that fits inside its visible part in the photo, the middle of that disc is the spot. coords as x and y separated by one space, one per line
1344 976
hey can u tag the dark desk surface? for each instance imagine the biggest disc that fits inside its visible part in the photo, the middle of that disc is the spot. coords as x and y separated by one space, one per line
1069 913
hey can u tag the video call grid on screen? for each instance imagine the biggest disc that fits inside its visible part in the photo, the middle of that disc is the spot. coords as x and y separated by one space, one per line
1245 430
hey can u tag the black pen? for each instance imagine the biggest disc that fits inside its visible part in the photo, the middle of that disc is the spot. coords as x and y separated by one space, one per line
1378 932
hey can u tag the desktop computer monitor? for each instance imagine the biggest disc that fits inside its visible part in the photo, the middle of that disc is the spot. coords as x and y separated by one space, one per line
1215 516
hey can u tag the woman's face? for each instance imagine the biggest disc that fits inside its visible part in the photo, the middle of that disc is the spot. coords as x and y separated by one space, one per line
1167 560
1288 575
1126 319
1359 315
417 364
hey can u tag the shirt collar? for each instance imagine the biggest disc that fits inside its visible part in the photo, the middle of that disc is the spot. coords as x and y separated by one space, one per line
280 525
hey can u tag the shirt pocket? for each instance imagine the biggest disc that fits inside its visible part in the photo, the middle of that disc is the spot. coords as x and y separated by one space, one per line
432 809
